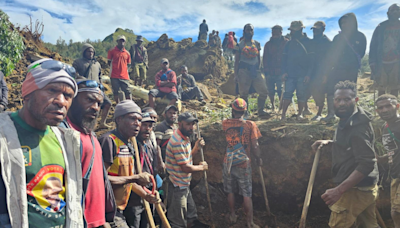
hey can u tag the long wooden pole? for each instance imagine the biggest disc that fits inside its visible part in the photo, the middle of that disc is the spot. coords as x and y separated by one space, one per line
265 195
307 200
379 218
205 177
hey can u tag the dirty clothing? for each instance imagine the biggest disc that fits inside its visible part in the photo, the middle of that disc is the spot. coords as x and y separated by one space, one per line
238 178
88 68
187 88
353 149
272 57
163 132
3 92
355 206
246 81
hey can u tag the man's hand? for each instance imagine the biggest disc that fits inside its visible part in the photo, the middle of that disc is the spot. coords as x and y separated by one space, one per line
306 79
319 144
151 198
200 142
144 179
284 76
205 165
331 196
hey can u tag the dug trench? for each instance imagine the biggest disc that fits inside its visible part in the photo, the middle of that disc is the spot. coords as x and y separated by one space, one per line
287 161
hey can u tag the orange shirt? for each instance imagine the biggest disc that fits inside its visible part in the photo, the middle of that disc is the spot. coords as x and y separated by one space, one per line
119 62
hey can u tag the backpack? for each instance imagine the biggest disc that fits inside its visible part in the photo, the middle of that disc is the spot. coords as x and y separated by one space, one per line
236 155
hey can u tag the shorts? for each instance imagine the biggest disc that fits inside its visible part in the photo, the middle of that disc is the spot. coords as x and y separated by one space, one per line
158 93
246 81
122 84
106 101
395 195
355 206
238 178
295 84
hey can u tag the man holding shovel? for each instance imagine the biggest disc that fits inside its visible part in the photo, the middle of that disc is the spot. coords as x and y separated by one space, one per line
354 166
242 139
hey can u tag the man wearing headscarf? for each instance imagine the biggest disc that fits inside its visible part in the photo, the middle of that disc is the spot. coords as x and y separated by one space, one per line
41 180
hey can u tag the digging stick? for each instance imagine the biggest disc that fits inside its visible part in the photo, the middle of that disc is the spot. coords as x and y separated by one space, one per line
309 190
205 177
379 217
281 98
265 194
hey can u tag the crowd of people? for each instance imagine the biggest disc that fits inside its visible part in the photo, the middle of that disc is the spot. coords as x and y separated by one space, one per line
55 172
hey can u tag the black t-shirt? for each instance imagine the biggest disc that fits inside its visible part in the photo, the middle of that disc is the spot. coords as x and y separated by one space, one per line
391 144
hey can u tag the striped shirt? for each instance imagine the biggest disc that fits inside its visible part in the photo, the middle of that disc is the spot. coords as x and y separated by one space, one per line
179 152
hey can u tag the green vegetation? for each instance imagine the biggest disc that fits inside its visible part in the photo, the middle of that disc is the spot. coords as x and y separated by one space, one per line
11 45
72 49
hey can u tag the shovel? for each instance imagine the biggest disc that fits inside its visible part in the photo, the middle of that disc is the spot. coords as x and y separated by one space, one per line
265 196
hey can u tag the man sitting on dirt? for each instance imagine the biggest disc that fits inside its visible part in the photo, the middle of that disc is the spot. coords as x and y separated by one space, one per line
165 85
165 129
354 166
242 139
384 55
273 51
39 171
88 67
181 208
119 60
140 61
3 93
297 66
118 156
203 31
387 107
187 88
247 69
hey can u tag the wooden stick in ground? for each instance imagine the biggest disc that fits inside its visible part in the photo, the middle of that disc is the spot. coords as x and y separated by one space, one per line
205 177
139 170
307 200
281 98
265 194
379 218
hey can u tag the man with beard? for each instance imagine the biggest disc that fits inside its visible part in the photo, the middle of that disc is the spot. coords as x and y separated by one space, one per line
118 156
82 117
297 66
273 51
317 88
384 53
348 48
354 167
165 129
247 69
181 208
387 107
35 151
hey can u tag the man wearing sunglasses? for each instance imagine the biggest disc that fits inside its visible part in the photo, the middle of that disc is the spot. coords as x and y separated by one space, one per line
40 182
88 67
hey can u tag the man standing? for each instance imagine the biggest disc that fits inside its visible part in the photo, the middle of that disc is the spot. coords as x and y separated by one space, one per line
82 117
187 88
354 165
88 67
211 39
182 210
41 179
165 129
140 61
217 40
387 107
297 66
3 93
119 159
384 54
320 45
247 69
166 84
272 62
348 48
203 31
119 60
242 140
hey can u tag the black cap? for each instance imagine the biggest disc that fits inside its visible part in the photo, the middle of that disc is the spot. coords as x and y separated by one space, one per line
187 117
169 107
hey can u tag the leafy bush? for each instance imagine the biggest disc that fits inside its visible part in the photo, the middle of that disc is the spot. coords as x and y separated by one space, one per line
11 45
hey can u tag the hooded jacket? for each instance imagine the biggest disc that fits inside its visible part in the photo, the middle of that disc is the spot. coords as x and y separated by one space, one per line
82 65
347 51
353 149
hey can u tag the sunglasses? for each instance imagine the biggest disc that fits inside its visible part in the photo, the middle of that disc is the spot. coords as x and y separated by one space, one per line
92 84
56 66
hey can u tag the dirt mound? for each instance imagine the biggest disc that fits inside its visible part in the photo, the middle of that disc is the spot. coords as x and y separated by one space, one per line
201 59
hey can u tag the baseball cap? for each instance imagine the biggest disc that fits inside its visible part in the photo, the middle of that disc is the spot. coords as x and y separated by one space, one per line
121 37
318 25
164 60
146 117
239 105
296 25
169 107
187 117
139 38
277 27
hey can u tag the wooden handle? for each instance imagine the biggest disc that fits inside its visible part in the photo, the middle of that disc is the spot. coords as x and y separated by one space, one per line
264 191
309 190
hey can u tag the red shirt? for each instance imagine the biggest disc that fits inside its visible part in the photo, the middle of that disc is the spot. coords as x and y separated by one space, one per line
95 194
171 77
119 63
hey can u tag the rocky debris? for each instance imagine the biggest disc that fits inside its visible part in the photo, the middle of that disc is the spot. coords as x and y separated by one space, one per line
229 86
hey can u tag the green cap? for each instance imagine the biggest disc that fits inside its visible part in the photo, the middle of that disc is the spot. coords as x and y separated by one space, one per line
319 25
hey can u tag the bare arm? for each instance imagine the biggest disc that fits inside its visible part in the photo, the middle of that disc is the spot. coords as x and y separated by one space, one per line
187 168
142 179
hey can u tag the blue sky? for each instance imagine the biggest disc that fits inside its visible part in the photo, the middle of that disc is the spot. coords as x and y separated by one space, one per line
95 19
